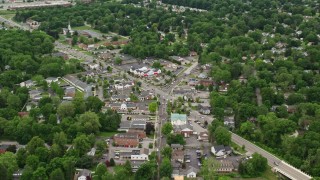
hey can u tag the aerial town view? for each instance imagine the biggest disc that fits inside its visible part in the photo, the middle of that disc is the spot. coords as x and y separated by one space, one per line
160 90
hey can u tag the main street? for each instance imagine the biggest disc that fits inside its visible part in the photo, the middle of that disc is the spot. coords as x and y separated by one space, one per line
273 161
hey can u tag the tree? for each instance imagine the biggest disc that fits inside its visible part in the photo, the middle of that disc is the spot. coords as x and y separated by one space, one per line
166 152
146 171
90 122
153 107
254 166
101 170
175 139
165 168
149 128
94 104
21 157
156 64
166 128
112 163
56 174
222 136
34 143
66 109
127 167
9 162
209 167
3 172
82 144
118 60
40 173
32 161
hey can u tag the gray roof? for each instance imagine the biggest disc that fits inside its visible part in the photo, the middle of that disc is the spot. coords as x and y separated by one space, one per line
192 169
219 148
176 145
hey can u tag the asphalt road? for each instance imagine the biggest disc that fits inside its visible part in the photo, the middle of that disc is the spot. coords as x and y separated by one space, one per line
283 167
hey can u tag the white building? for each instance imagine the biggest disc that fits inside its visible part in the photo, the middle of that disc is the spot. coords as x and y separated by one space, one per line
178 119
140 157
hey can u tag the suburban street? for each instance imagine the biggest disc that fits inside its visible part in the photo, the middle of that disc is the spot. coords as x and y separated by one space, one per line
283 167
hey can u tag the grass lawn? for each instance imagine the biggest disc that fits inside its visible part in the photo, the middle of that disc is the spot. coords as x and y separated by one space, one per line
237 148
107 134
267 175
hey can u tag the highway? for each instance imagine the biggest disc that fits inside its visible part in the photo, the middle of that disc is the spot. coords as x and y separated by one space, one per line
282 167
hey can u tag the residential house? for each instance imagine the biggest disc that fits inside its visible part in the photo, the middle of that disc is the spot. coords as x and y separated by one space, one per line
92 152
52 79
70 91
83 174
193 82
176 146
192 172
203 136
105 56
202 76
186 130
126 140
120 97
223 88
60 54
229 121
27 84
93 66
146 95
23 114
34 93
178 119
178 155
226 166
124 85
204 109
33 24
175 173
221 150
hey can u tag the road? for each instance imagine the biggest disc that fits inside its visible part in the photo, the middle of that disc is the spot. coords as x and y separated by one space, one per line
12 23
283 167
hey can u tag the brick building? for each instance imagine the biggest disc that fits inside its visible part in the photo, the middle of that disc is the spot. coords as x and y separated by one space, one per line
126 139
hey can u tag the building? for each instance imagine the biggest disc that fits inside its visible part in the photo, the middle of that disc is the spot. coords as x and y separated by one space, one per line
93 66
192 172
140 132
207 83
82 174
178 155
203 136
178 119
126 140
176 146
82 86
60 54
229 121
27 84
68 30
226 166
52 80
204 109
134 126
186 130
221 150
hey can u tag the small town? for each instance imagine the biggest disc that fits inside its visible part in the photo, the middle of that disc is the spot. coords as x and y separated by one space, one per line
157 90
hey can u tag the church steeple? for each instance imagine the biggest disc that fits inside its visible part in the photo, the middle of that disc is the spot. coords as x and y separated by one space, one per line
69 27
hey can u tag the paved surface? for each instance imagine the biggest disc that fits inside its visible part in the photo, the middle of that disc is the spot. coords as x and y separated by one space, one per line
283 167
12 23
